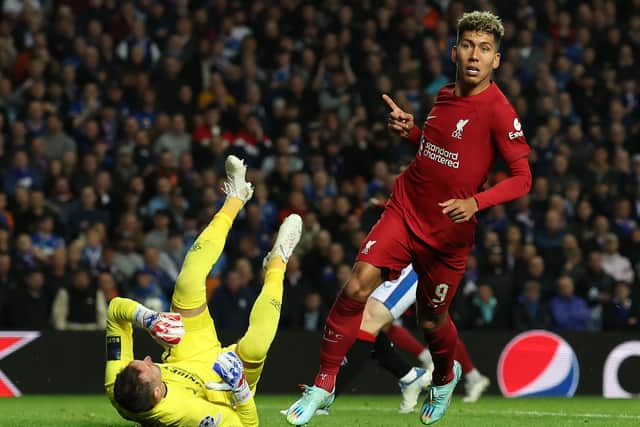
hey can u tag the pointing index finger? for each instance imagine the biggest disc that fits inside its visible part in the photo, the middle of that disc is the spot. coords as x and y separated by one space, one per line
390 102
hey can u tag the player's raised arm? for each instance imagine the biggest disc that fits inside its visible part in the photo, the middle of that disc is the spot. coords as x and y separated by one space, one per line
119 340
401 122
165 328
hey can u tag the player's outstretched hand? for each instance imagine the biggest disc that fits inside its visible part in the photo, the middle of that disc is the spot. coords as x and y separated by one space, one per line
231 370
167 328
399 121
459 210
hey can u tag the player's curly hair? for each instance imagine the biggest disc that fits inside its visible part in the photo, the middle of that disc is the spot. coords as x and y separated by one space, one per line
481 21
131 393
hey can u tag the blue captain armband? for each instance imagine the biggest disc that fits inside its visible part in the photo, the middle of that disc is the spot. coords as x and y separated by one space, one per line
114 348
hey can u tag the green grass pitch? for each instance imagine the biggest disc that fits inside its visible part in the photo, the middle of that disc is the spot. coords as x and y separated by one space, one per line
350 410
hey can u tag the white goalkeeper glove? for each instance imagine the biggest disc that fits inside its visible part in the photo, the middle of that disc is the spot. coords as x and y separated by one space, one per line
166 328
230 369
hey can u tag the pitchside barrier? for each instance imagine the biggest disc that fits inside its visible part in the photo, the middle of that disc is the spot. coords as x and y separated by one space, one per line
533 363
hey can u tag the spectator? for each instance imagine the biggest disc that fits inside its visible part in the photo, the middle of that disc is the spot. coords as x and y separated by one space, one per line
176 140
623 222
530 311
56 141
536 271
315 312
232 302
146 290
293 296
632 249
498 277
616 265
21 174
80 307
92 248
86 213
622 311
158 236
44 241
159 264
568 311
162 197
176 249
549 240
126 258
108 286
105 192
58 274
27 306
485 311
24 256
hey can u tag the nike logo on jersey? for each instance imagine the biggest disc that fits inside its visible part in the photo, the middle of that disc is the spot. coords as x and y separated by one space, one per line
459 128
430 117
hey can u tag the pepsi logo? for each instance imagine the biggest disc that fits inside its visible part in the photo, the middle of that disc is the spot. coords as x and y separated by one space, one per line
538 363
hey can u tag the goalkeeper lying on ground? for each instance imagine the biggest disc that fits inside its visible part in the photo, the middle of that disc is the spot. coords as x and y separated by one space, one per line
190 387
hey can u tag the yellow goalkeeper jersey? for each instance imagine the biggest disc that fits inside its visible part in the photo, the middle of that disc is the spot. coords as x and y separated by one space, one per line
187 367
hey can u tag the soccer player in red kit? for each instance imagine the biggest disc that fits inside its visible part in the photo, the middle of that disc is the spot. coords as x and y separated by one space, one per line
429 219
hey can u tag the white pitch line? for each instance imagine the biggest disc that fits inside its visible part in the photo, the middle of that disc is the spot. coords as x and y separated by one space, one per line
557 414
480 412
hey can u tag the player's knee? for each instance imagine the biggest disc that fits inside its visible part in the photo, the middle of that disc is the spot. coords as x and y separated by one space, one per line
362 282
431 321
183 280
428 325
353 289
253 354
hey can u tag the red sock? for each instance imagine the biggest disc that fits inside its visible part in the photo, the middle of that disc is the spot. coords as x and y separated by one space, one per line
462 356
366 336
340 331
402 338
442 345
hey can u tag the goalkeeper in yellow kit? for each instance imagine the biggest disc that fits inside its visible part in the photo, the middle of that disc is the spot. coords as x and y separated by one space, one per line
198 382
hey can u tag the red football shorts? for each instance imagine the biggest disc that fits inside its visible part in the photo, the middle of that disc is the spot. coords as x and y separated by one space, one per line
391 245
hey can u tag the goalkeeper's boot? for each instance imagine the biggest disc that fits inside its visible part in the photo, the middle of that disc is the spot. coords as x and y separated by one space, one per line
235 185
411 390
439 398
475 387
313 398
288 237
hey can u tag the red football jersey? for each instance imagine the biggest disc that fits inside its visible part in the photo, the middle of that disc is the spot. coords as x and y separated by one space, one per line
456 148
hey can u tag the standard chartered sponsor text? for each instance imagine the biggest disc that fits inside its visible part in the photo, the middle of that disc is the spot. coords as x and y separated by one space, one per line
439 154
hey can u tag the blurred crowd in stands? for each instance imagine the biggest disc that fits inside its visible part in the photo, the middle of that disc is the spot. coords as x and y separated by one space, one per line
116 117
